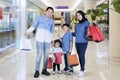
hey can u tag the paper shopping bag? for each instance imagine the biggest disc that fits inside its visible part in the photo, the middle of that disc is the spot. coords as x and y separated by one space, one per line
25 44
49 64
97 36
73 60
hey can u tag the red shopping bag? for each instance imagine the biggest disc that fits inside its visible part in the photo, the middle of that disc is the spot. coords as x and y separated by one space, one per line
97 35
49 64
58 58
89 31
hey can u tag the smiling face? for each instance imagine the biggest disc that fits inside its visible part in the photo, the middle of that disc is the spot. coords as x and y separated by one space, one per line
49 13
65 28
79 16
57 44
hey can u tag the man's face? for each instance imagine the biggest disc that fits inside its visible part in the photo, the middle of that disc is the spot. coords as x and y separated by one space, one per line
49 13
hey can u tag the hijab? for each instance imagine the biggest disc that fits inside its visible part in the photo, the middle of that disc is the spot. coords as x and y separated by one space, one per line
83 16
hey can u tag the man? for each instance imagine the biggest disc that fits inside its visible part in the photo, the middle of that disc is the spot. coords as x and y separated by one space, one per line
45 27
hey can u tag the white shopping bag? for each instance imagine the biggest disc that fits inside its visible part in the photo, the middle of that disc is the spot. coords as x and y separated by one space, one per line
25 44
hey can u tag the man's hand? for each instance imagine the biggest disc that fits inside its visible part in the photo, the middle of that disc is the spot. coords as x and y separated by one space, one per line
26 34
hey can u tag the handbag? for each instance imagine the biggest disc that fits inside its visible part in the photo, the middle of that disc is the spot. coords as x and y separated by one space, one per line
97 36
73 60
49 64
25 44
58 57
95 33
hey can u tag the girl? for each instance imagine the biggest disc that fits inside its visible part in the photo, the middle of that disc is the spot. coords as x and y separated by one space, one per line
56 50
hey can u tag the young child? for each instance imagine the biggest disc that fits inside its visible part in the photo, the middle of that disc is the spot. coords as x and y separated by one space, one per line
67 43
56 50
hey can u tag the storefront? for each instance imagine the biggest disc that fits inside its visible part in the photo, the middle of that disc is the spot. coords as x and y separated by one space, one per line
9 21
15 17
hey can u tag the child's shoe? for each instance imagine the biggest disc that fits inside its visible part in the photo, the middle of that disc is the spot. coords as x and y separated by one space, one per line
53 72
59 72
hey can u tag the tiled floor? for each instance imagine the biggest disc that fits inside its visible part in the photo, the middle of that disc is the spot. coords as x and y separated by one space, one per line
20 66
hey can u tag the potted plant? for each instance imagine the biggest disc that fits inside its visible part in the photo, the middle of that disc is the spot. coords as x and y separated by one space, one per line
116 5
99 12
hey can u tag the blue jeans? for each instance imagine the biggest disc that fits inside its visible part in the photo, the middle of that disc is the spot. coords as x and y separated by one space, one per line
42 49
67 66
81 49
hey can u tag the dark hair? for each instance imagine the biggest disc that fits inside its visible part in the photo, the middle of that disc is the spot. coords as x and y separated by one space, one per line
57 41
50 8
66 25
83 16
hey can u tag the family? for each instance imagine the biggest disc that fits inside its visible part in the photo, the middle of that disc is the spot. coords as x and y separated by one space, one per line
44 26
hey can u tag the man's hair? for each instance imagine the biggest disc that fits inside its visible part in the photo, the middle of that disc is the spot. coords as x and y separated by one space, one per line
50 8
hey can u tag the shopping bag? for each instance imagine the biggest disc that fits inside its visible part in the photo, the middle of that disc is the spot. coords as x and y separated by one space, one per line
95 33
73 60
89 33
25 44
49 64
58 57
97 36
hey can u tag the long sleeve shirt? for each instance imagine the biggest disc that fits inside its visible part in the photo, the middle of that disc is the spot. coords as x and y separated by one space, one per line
81 32
44 27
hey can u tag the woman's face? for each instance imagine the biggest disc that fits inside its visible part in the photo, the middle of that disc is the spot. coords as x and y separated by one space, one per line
79 16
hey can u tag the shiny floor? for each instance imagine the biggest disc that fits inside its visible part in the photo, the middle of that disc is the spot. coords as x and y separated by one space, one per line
20 66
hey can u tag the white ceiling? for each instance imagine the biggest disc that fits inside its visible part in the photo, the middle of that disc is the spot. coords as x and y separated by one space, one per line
72 4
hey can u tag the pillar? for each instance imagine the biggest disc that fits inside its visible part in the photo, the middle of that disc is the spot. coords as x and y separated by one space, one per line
114 42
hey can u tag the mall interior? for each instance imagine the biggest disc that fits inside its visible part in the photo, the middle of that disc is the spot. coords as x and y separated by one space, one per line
102 58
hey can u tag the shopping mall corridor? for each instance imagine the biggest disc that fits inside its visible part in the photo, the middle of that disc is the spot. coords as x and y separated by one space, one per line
20 66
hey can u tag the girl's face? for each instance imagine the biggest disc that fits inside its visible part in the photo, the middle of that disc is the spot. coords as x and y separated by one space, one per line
79 16
65 28
57 44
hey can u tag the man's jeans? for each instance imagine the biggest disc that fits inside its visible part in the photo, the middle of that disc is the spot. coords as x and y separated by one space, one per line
42 49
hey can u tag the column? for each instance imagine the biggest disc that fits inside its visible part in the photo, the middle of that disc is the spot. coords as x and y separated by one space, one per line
23 17
114 42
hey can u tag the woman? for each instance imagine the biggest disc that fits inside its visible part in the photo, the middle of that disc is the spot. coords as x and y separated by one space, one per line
81 39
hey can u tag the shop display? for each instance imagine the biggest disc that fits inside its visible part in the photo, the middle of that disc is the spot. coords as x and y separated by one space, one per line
8 20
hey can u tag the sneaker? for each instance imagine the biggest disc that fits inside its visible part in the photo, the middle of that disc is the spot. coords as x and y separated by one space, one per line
45 72
81 73
36 75
53 72
59 72
70 72
65 69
